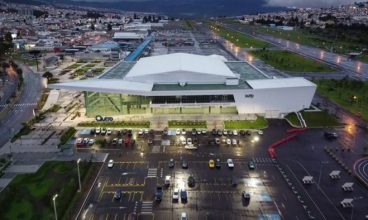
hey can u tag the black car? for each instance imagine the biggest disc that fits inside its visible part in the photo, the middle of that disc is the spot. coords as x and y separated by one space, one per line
158 193
184 164
248 132
219 132
93 131
183 195
194 131
191 181
211 142
118 194
242 132
234 181
171 163
330 135
108 119
218 163
214 132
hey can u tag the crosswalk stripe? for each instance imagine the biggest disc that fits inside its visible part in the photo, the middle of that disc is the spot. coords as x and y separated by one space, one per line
152 172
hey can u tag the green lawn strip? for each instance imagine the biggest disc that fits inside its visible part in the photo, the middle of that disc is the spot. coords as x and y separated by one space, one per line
320 119
239 39
288 61
90 65
28 196
342 91
187 124
259 123
293 119
116 124
67 135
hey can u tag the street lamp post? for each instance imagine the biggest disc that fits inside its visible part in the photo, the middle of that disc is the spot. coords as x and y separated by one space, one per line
79 178
54 201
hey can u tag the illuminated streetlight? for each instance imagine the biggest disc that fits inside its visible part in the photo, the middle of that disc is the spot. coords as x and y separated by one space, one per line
54 201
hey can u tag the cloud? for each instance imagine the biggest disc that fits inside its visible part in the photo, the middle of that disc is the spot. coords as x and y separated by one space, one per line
309 3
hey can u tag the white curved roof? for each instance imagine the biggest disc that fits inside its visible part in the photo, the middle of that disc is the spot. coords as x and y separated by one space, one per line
180 62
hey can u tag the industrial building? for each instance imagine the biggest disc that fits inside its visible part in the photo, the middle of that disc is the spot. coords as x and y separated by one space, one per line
182 83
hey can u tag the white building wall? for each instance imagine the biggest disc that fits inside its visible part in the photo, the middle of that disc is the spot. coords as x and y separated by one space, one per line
272 103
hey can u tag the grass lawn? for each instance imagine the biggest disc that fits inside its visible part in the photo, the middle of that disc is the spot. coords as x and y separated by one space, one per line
288 61
259 123
293 119
187 124
342 91
239 39
28 196
315 119
116 124
320 119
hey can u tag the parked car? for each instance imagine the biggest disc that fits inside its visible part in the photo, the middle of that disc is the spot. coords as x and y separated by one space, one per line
183 132
230 163
115 141
191 181
171 163
228 141
167 180
79 142
235 132
214 132
184 164
91 142
158 193
178 131
175 195
140 132
219 132
234 141
146 131
217 140
118 194
189 141
110 164
218 163
190 147
194 131
204 131
242 132
183 216
331 135
248 133
103 131
98 131
251 165
120 141
183 195
211 163
260 132
225 132
109 131
85 141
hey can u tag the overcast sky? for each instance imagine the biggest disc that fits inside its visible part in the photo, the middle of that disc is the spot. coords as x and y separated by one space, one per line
282 3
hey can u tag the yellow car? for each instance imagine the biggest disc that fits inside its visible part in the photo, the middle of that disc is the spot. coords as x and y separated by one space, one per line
211 164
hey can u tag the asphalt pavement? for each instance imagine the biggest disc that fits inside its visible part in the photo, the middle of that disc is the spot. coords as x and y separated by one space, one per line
23 109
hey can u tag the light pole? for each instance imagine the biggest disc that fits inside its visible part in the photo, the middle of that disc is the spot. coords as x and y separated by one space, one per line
54 201
79 178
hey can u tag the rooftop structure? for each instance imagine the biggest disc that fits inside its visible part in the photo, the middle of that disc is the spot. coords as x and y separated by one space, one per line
180 80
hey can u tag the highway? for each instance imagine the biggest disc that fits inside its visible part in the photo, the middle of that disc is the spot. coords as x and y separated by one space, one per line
23 109
356 69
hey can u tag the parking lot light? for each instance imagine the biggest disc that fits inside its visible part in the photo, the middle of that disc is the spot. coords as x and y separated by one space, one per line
54 202
79 176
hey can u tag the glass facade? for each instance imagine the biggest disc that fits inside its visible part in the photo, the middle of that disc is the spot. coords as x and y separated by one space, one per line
120 104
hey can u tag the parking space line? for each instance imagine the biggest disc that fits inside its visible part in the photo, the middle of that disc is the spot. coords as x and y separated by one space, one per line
116 215
107 217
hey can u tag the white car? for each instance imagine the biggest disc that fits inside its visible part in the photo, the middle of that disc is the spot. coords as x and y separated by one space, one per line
98 131
190 147
120 141
85 140
204 131
225 132
91 141
175 195
230 163
199 132
183 141
234 142
108 131
189 141
178 131
183 216
228 141
110 164
79 141
146 131
140 132
235 132
260 132
184 132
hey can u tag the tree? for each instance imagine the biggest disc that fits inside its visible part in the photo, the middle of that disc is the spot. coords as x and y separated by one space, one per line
8 38
47 75
93 27
109 27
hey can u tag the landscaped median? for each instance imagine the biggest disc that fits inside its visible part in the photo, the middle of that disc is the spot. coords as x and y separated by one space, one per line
259 123
116 124
29 196
314 119
67 135
187 124
289 61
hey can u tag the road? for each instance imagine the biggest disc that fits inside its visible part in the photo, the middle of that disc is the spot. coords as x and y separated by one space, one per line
361 169
23 109
354 68
10 86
